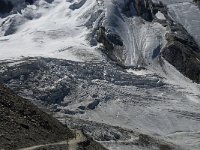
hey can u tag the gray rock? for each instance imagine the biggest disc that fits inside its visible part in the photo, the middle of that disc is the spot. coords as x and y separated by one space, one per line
94 104
183 53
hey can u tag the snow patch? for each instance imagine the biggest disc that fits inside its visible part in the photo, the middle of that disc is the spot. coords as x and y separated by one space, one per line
160 16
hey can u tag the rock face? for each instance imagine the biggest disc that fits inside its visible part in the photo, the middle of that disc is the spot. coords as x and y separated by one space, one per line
24 125
5 7
198 2
112 43
183 53
143 8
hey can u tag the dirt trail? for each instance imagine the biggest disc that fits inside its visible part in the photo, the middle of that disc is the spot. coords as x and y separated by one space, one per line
72 144
45 145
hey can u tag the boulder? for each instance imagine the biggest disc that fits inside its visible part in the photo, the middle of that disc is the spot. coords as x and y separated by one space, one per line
94 104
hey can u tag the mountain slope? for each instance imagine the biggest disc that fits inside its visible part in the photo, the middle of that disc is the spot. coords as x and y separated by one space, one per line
22 124
117 68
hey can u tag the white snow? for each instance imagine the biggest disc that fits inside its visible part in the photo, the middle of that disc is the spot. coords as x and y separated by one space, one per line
160 16
54 31
138 72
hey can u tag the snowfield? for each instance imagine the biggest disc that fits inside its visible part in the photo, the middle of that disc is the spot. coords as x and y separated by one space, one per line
48 30
157 101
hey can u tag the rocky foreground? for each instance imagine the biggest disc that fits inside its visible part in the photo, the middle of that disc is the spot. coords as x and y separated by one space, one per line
22 124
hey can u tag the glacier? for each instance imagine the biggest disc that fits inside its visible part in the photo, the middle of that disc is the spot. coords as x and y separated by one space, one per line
57 53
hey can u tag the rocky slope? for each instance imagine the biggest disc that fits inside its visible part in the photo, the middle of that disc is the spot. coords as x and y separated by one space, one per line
22 124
